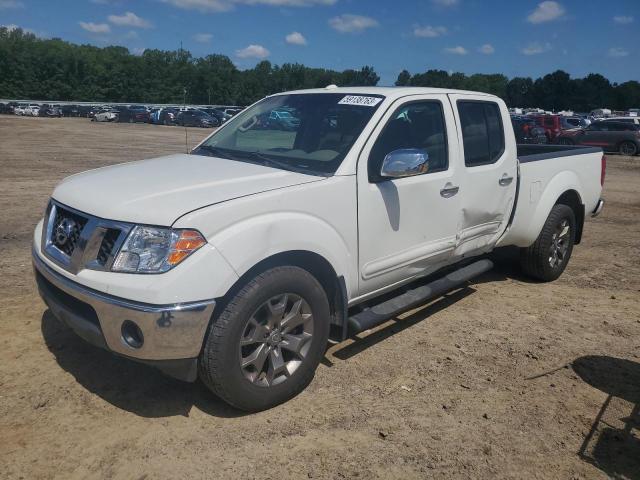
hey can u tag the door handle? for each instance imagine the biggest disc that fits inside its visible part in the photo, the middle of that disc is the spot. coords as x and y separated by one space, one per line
449 190
505 180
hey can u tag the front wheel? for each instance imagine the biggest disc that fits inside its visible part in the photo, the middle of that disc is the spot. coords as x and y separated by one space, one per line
549 255
628 148
263 348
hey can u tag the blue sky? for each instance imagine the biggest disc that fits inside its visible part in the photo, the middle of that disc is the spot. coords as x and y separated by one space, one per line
514 37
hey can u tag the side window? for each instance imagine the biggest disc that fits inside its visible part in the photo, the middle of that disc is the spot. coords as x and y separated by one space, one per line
418 125
482 132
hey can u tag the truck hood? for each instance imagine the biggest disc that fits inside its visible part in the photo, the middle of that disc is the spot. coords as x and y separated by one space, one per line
160 190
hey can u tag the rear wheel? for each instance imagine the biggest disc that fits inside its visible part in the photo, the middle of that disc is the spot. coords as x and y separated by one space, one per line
549 255
263 348
628 148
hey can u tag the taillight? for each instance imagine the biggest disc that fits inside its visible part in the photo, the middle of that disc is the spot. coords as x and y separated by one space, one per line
603 170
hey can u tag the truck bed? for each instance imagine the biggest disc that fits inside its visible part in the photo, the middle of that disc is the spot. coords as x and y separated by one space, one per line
545 173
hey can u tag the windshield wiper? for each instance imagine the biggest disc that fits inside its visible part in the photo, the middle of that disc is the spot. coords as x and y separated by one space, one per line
216 151
270 161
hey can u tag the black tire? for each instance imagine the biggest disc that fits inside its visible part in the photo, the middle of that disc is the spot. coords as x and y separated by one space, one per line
566 141
220 361
537 260
628 148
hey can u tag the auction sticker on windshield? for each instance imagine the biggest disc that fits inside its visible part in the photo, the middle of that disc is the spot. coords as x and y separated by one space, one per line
360 100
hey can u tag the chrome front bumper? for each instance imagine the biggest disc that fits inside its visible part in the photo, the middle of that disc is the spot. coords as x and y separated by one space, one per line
171 333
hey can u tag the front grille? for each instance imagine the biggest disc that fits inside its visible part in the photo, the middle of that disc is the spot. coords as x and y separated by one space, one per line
67 227
75 240
106 247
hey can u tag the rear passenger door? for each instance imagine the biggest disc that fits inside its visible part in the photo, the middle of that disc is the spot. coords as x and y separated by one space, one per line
489 176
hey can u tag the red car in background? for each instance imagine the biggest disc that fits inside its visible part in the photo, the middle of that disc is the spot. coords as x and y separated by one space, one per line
554 124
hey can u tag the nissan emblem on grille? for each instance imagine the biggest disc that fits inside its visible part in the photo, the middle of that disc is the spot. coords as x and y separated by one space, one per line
63 231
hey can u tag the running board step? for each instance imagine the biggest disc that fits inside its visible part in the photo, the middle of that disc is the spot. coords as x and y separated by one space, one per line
380 313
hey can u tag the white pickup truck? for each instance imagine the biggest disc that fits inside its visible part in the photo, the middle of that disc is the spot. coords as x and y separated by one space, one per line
239 261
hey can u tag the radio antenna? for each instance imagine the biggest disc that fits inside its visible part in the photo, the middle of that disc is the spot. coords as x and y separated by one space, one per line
184 109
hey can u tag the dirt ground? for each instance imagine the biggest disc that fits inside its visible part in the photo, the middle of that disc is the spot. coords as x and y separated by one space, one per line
502 379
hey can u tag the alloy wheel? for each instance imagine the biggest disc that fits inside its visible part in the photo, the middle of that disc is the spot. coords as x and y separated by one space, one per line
276 340
559 244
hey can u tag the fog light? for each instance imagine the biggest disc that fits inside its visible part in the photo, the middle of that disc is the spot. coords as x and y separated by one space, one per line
131 334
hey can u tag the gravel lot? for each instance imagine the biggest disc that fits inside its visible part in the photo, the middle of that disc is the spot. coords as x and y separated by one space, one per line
503 379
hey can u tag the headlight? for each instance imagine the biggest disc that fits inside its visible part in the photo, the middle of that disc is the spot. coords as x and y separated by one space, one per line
156 250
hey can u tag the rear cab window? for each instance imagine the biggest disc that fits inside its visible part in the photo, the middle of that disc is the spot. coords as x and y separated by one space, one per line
482 132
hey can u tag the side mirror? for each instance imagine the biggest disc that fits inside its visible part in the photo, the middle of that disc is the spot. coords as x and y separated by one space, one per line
405 162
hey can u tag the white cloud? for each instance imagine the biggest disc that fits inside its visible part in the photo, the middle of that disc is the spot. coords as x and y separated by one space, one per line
214 6
546 11
138 51
445 3
253 51
287 3
295 38
428 31
349 23
7 4
11 27
202 37
617 52
95 27
623 19
536 48
487 49
129 19
456 50
208 6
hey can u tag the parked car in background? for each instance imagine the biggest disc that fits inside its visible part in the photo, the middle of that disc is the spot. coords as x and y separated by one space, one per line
554 124
70 111
576 122
32 110
232 111
216 113
168 116
610 136
163 116
634 120
283 120
527 131
197 118
6 108
20 109
133 114
50 111
106 115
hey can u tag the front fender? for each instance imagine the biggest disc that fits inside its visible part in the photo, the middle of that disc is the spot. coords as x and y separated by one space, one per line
248 242
317 217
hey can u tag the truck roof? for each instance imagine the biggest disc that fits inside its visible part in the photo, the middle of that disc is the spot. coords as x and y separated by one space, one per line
389 92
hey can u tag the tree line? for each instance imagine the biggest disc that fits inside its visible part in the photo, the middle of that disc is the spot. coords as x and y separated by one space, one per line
554 91
53 69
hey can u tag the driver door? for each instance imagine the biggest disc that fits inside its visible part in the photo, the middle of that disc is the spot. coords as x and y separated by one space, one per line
407 226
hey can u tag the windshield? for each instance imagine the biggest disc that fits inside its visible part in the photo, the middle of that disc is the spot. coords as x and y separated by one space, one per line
308 133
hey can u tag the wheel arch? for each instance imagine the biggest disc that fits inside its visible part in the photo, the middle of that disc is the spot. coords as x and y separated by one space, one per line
322 270
572 199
